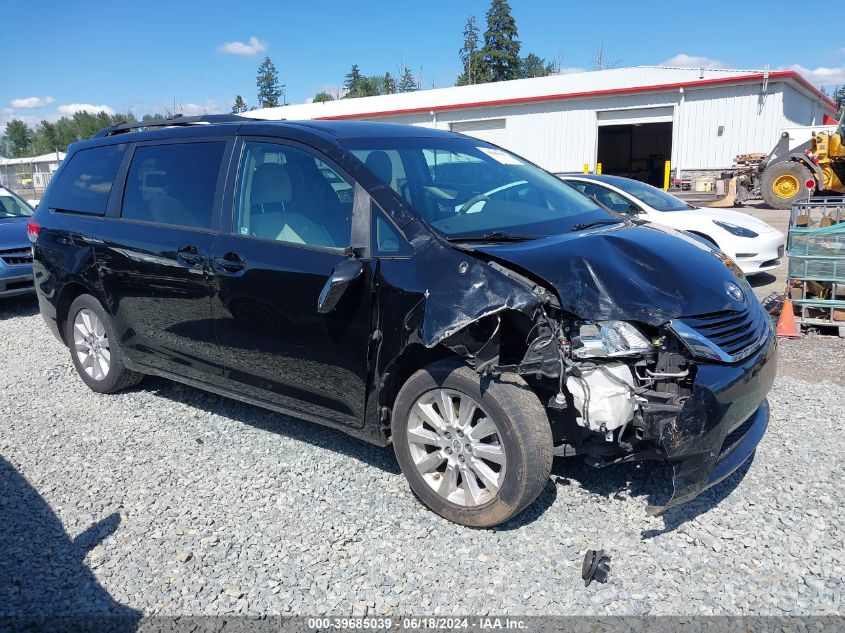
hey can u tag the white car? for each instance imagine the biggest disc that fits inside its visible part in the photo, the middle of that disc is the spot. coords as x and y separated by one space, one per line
751 243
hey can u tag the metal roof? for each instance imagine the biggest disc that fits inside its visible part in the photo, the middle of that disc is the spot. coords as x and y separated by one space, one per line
553 87
52 157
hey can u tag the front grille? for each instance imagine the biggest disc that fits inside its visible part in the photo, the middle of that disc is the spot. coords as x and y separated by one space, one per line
738 333
16 256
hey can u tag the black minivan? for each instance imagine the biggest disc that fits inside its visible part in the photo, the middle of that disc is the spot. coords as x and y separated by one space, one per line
408 286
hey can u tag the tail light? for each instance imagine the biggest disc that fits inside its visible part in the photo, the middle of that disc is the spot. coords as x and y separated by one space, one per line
32 230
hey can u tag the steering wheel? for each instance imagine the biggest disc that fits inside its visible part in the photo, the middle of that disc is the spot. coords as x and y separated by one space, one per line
466 206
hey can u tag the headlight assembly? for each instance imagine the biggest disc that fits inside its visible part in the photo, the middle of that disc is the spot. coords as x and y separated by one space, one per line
608 339
735 230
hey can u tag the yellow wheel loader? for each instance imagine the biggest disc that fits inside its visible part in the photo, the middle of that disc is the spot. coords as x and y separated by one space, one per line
818 170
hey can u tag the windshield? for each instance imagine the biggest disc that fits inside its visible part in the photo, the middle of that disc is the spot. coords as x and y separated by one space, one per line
13 207
465 188
652 196
841 128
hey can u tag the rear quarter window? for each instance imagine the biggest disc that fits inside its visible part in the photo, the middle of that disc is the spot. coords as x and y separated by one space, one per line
86 181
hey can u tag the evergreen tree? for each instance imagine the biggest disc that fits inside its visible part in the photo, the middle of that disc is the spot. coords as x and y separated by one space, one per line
388 84
352 83
500 54
239 105
270 91
469 54
322 96
839 98
534 66
407 83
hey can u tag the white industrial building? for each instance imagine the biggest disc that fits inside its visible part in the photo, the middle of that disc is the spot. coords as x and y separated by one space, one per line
631 120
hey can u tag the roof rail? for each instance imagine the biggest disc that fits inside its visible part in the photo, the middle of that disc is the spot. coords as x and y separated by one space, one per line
175 120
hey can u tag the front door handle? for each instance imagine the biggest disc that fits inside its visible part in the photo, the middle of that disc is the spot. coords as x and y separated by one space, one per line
230 263
189 256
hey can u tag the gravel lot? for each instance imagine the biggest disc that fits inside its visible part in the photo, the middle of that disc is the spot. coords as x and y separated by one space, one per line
169 500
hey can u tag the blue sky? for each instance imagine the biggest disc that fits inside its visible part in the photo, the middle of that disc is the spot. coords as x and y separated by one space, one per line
111 55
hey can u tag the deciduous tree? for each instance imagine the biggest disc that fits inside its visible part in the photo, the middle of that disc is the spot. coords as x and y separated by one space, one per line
535 66
19 137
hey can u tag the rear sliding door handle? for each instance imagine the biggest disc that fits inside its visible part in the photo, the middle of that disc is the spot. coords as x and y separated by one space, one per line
230 263
189 256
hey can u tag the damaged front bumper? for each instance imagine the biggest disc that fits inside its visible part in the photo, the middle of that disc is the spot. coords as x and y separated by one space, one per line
720 424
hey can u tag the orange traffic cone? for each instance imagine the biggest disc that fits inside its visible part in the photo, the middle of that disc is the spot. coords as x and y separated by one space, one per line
786 322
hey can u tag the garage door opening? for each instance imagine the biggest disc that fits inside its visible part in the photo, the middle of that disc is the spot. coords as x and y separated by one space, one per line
490 130
635 150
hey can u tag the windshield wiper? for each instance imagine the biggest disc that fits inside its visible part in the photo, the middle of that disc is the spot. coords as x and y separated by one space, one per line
493 236
589 225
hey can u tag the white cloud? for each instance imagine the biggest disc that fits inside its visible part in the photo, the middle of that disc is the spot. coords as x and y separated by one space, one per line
570 70
69 108
31 102
682 60
821 76
194 109
251 47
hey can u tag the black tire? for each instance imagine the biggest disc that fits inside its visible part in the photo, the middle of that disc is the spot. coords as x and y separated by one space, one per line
521 423
118 377
781 178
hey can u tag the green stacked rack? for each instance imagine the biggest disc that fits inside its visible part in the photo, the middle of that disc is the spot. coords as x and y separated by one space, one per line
816 251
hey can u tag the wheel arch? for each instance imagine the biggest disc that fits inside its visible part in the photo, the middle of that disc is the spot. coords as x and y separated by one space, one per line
70 291
413 357
705 237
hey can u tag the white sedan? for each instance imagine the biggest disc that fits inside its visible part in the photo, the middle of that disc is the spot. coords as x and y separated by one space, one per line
751 243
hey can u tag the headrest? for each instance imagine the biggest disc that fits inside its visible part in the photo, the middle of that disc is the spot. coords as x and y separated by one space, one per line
270 184
380 164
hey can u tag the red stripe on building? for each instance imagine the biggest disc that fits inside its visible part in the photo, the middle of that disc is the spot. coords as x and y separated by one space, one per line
782 74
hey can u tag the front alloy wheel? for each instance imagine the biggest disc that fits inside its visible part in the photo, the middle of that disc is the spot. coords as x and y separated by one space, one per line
456 447
476 450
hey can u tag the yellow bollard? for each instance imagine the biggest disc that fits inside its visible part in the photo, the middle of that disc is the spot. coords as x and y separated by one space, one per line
586 168
598 168
667 171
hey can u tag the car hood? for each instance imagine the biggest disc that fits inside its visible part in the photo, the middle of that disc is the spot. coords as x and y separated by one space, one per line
13 232
645 272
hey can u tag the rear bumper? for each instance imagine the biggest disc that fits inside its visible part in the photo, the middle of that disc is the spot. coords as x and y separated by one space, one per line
15 281
720 424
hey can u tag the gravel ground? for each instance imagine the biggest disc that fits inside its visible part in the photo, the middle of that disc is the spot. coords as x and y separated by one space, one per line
172 501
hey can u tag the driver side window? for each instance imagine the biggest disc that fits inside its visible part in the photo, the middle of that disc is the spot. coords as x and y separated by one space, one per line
608 198
289 195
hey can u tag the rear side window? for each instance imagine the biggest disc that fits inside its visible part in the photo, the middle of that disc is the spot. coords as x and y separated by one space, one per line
173 184
86 181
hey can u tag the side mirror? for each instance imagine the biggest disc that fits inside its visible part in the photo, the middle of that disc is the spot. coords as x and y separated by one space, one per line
633 209
342 278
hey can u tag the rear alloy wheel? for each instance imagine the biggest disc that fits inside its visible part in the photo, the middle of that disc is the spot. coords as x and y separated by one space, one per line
475 454
94 348
91 344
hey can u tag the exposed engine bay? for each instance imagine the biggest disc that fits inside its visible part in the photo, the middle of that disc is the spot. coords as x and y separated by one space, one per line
609 386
